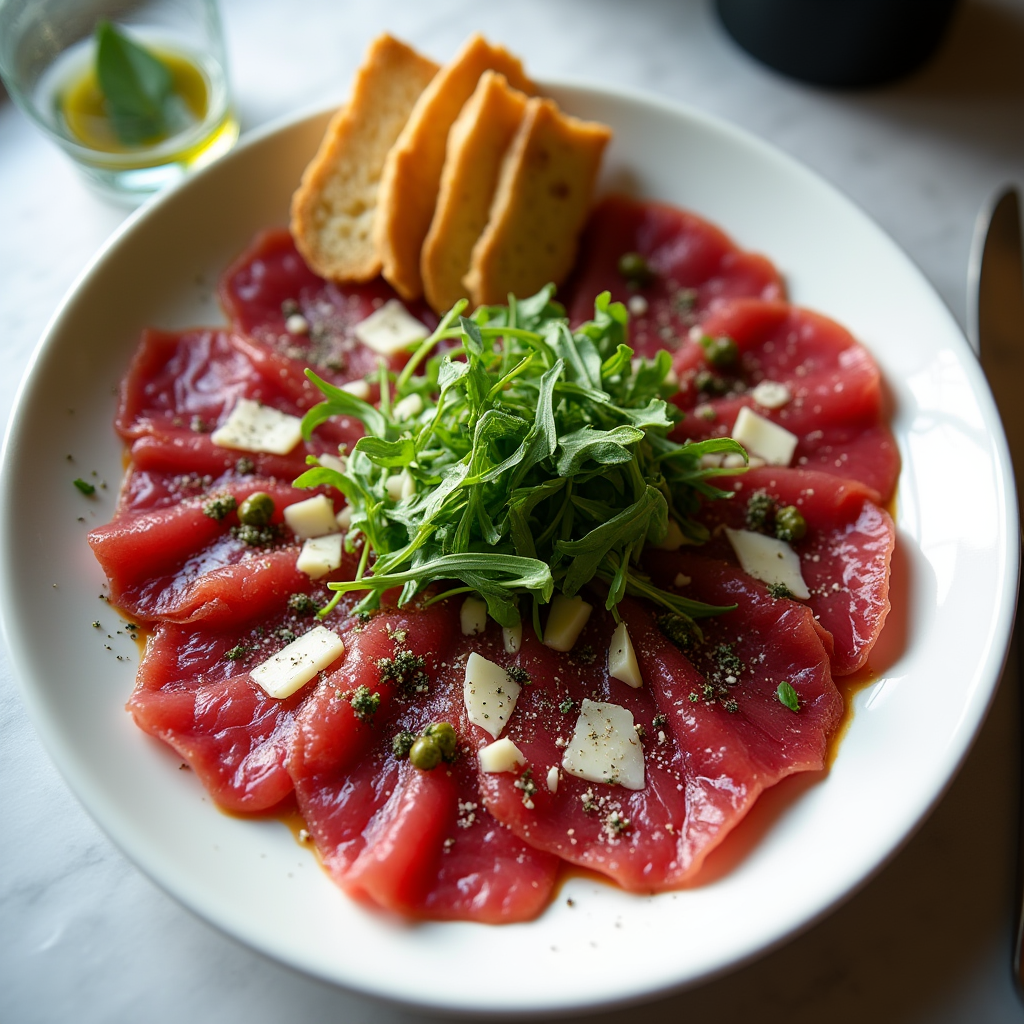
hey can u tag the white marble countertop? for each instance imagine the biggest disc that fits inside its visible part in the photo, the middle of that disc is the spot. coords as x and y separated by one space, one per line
85 937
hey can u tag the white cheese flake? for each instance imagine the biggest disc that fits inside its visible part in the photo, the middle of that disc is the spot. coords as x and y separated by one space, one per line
344 518
622 663
500 756
566 620
473 616
605 747
411 405
296 324
674 539
359 388
553 779
770 394
252 427
293 666
313 517
761 437
682 580
769 560
390 329
336 462
489 694
512 636
320 555
400 485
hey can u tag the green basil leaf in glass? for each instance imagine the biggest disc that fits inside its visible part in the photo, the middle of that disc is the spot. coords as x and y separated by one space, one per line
137 85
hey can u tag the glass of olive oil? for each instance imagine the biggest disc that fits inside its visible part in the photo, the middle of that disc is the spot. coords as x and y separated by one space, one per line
135 93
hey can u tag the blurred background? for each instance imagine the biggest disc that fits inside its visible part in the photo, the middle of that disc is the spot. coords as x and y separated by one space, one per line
85 937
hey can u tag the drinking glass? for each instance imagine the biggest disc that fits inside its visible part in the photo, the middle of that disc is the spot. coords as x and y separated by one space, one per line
47 62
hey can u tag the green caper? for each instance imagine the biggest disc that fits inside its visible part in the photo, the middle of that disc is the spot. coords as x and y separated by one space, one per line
445 736
256 510
720 352
425 754
790 525
635 269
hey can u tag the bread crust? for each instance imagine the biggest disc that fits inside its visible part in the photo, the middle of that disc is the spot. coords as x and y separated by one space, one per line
477 143
335 205
412 171
540 205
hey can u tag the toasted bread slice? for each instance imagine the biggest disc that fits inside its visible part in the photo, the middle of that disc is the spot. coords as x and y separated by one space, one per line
477 144
334 207
412 171
540 205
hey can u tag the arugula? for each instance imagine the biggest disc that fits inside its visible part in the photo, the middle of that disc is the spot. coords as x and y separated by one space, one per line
137 85
540 461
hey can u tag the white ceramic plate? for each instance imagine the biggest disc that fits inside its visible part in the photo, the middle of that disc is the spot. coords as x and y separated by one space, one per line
954 580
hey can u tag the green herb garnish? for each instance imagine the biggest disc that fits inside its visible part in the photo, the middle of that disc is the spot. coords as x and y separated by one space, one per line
518 675
137 85
760 515
401 743
84 486
302 604
364 702
218 508
788 696
540 461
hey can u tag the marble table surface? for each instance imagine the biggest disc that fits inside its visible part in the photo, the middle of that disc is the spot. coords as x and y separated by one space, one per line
85 937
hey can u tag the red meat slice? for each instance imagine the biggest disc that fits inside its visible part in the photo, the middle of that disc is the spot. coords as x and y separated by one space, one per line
844 558
704 764
270 281
836 405
176 563
181 386
195 697
696 265
414 842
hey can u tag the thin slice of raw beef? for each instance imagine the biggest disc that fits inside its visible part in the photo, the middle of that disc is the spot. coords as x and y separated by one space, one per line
178 564
415 842
713 731
182 385
835 389
193 691
695 266
844 558
270 283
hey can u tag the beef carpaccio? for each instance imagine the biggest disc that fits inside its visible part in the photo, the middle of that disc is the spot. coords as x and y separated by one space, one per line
717 719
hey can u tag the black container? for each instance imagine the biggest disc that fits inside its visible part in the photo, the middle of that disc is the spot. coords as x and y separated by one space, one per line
840 43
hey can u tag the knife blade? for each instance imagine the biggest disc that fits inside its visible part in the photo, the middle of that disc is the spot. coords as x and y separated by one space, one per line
999 319
996 325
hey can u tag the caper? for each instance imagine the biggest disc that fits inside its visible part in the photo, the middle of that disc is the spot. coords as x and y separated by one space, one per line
790 525
425 754
256 510
444 735
720 352
635 269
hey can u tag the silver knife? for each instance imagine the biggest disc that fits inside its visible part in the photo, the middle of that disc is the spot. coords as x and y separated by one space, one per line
996 324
